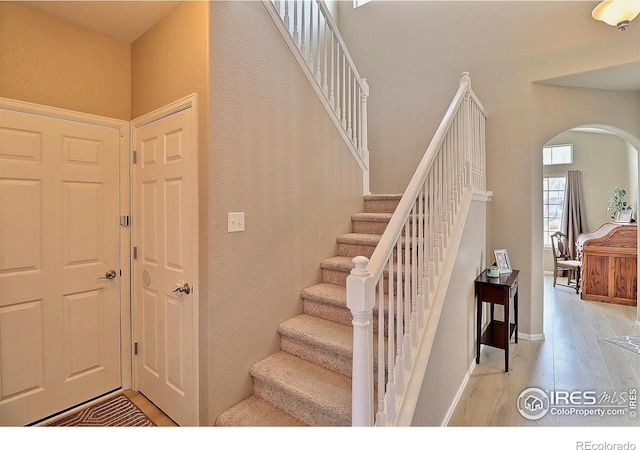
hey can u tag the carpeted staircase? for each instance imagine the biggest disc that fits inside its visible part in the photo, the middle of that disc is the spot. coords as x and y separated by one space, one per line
308 382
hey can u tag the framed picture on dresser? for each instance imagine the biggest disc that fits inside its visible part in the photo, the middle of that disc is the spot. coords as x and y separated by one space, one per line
624 216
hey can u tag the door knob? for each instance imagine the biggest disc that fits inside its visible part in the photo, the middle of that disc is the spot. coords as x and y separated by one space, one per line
184 289
110 275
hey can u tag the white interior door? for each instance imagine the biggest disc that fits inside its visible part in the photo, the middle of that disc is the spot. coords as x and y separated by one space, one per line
164 279
59 229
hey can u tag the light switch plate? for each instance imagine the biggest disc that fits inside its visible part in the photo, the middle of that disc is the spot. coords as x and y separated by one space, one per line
235 222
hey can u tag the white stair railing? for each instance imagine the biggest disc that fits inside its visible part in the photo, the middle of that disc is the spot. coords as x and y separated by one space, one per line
314 39
407 269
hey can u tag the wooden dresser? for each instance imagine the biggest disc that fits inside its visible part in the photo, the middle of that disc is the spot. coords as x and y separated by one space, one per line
610 264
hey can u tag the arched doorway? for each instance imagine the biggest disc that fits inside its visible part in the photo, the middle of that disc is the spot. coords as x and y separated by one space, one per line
607 157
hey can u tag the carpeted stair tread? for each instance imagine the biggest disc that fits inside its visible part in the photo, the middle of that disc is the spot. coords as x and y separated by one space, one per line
371 217
373 197
370 223
255 412
333 294
357 244
338 263
359 239
324 334
328 301
377 203
315 395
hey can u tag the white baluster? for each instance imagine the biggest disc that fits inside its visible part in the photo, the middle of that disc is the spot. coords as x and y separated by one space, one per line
287 20
332 98
361 300
318 51
349 129
354 111
414 275
311 42
356 116
391 348
303 40
325 85
407 295
381 415
344 91
422 268
338 84
296 34
432 235
399 372
364 96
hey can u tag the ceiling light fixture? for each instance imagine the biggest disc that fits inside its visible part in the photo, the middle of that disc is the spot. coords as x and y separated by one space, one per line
617 13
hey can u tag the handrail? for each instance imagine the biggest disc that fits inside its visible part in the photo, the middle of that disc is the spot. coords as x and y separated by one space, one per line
405 267
313 37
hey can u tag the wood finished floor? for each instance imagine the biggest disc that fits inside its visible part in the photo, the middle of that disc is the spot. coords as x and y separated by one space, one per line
573 356
152 411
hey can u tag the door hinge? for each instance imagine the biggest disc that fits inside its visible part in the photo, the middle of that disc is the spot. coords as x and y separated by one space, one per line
135 252
135 348
125 221
135 156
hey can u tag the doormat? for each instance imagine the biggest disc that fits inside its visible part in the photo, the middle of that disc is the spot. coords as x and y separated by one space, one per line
631 343
115 412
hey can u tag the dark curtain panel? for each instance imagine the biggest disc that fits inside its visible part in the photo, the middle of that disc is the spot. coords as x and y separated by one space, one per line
574 219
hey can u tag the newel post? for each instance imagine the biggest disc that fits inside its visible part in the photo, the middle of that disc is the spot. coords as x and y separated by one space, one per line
361 300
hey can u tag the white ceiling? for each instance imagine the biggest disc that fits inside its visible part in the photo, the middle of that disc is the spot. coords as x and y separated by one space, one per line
123 20
128 20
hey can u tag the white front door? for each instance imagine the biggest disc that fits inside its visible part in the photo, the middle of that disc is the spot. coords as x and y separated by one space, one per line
164 279
59 264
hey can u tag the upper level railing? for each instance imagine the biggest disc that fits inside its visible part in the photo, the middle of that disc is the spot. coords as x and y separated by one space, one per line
314 38
402 277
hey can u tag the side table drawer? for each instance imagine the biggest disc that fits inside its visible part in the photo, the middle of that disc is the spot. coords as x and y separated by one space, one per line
494 294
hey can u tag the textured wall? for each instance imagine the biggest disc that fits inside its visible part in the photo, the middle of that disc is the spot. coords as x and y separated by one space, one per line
53 62
276 156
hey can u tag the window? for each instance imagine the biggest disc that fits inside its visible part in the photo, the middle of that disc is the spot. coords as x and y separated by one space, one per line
557 154
553 204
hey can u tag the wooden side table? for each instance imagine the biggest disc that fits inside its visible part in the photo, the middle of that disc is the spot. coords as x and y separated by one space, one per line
497 291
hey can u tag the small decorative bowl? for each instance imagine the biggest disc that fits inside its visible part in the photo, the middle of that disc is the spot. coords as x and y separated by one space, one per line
493 272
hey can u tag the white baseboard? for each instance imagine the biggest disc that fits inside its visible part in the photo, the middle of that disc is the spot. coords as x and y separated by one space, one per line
531 337
456 399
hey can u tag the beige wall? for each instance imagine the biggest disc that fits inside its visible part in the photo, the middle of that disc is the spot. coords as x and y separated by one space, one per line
53 62
606 161
277 157
413 69
453 349
168 62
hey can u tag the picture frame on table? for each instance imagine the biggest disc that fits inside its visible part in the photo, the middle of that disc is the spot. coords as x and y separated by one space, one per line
502 260
624 216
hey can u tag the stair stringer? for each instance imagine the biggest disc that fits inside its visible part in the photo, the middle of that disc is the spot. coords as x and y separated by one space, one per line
414 375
